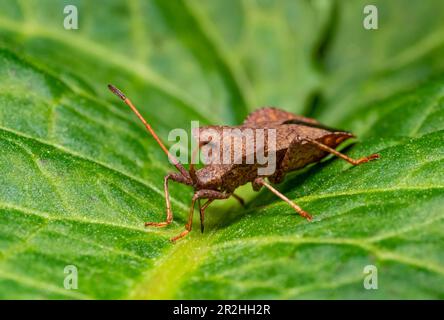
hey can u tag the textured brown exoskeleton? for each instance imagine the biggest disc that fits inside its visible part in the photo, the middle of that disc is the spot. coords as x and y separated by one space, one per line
299 142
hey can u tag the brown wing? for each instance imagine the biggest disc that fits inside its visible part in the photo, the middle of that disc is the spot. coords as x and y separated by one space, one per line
265 116
270 114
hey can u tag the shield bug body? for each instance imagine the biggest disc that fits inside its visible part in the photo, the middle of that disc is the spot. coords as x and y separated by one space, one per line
294 141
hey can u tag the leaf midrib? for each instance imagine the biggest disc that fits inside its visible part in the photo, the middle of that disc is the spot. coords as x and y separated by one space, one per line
167 275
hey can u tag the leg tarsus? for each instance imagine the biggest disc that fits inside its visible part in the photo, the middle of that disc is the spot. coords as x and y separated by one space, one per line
157 224
365 159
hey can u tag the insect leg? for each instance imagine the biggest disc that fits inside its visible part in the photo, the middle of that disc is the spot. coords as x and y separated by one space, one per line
175 177
202 213
298 209
192 169
241 201
207 194
354 162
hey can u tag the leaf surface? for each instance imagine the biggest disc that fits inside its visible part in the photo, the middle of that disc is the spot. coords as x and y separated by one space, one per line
79 176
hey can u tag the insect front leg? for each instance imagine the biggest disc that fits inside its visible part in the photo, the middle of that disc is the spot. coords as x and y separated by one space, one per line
200 194
175 177
306 215
354 162
202 213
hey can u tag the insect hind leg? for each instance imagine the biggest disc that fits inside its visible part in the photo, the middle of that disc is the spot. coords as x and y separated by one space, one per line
169 218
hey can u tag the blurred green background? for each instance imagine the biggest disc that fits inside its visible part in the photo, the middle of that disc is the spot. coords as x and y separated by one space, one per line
79 176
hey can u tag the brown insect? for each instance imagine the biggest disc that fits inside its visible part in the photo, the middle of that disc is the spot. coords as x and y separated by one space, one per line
299 142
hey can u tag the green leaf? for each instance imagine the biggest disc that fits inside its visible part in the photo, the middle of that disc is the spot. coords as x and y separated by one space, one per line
79 176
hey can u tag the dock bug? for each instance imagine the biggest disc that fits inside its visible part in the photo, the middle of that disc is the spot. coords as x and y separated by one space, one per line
299 141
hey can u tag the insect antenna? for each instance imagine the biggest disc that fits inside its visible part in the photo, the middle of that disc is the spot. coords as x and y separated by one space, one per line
128 102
